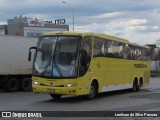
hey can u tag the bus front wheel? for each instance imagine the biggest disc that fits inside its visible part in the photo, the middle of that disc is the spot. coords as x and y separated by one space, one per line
55 96
93 91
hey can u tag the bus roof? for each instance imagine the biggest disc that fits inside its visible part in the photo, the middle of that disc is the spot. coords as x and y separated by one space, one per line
81 33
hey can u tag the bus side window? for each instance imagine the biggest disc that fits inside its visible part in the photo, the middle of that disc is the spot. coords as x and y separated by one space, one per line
85 55
99 47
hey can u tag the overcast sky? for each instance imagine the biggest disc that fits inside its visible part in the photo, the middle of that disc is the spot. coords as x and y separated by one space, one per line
135 20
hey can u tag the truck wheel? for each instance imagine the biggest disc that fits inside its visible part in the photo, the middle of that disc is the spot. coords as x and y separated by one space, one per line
55 96
25 84
12 85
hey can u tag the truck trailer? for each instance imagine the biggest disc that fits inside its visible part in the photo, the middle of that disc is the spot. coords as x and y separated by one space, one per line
15 69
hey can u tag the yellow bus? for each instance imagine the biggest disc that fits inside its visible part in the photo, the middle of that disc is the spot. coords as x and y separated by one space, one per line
84 63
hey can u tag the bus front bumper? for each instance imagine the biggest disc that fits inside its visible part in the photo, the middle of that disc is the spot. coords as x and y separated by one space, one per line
54 90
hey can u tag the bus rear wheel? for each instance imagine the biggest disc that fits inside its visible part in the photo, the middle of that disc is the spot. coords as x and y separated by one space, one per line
93 91
136 86
55 96
140 83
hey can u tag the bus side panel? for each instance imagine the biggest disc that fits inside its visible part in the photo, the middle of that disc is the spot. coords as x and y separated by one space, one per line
142 70
97 72
121 73
118 74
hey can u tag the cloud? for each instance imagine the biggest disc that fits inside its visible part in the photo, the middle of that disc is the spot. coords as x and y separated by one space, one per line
3 23
135 20
133 31
128 29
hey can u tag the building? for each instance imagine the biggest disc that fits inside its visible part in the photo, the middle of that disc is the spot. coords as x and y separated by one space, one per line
3 30
25 26
154 51
155 57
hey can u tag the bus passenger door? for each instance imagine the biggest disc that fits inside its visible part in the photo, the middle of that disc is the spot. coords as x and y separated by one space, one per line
85 55
84 65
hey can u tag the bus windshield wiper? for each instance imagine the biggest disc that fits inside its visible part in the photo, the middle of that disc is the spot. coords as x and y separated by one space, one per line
56 66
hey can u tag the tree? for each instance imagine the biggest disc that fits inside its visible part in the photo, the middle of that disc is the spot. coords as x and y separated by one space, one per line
158 43
158 46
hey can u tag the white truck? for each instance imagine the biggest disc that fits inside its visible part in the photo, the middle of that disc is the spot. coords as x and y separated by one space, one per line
15 69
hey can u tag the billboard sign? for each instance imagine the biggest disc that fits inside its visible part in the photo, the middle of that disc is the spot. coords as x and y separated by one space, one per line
57 21
35 22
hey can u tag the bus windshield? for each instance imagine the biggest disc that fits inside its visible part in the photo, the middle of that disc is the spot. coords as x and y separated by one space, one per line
56 56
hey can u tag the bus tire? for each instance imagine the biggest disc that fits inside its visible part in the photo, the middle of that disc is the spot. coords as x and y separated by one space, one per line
140 83
12 85
93 91
55 96
135 86
25 84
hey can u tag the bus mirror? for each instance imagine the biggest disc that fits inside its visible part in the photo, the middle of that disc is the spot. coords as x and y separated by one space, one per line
30 53
29 56
80 51
83 51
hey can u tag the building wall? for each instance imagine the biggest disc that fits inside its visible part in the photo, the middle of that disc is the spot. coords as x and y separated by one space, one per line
37 31
15 29
17 20
155 65
20 27
3 30
155 61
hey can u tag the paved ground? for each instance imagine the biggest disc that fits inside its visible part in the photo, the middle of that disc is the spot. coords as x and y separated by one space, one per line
147 99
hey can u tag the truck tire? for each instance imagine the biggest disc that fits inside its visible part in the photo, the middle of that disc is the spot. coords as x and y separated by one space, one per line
25 84
12 85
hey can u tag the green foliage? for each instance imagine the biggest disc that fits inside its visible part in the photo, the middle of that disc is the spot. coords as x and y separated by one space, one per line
158 43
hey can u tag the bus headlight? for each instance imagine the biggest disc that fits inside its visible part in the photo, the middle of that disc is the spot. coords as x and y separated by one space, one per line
69 85
35 83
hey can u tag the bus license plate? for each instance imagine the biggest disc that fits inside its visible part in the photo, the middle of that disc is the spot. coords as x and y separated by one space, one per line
51 90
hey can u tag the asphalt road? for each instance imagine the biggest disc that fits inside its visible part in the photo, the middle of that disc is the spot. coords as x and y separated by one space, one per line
147 99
